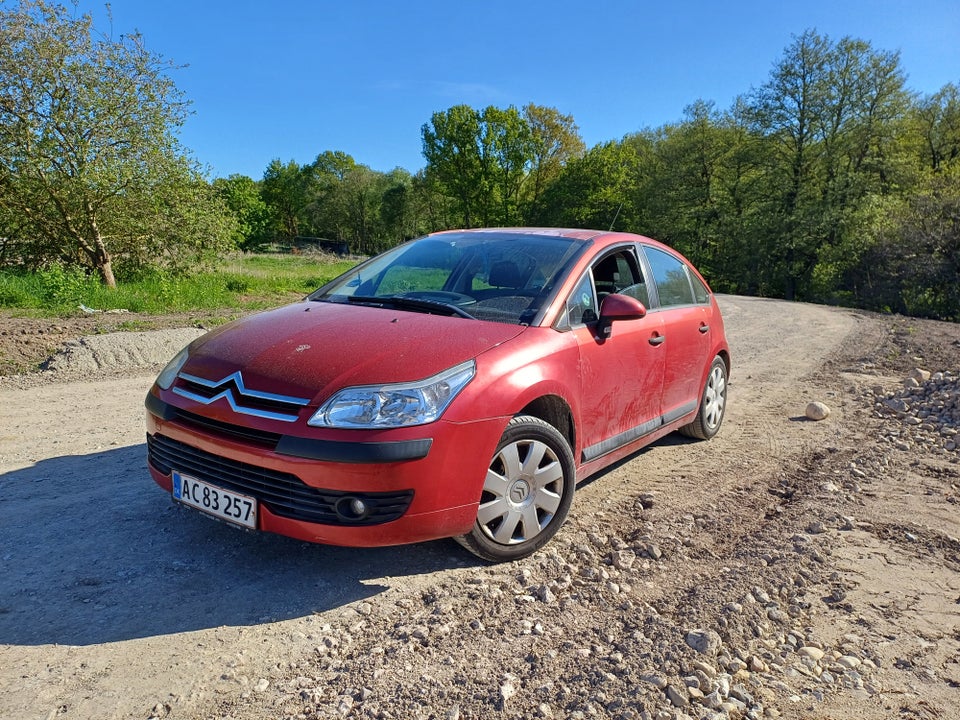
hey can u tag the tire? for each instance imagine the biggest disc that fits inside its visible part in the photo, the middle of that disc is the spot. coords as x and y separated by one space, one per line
526 494
713 403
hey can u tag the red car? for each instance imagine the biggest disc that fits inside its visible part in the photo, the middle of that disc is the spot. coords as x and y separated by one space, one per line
459 385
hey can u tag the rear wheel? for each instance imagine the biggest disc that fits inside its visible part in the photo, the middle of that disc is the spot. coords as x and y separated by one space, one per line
526 494
713 403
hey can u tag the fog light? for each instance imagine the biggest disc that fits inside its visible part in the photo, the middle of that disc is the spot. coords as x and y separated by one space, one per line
358 507
352 509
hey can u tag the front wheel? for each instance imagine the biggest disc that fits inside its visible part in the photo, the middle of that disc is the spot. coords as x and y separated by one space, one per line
713 403
526 494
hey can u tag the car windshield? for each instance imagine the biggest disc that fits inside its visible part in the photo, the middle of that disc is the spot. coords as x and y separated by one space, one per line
503 277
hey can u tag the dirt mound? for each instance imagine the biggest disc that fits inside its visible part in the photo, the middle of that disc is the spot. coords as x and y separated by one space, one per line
119 351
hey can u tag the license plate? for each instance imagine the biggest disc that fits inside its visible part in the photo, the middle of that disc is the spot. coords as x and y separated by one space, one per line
229 506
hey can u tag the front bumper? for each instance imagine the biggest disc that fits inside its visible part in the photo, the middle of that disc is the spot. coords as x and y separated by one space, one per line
421 483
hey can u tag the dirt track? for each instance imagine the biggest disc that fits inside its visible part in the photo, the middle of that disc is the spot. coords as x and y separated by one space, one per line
779 540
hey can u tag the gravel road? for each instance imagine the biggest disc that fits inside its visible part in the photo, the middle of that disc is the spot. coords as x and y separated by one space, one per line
788 568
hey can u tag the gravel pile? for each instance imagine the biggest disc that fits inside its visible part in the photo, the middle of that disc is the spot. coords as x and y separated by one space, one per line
928 408
119 351
574 633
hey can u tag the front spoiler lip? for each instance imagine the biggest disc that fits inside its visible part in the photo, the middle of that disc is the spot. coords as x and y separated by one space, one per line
338 451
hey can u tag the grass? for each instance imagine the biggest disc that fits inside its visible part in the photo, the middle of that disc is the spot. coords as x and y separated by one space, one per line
242 283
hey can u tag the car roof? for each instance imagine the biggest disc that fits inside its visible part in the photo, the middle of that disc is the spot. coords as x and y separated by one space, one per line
601 237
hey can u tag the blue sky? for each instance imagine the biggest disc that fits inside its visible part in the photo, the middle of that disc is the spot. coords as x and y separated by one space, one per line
288 80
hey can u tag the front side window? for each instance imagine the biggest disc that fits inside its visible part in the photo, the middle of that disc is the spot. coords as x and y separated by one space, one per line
619 273
616 272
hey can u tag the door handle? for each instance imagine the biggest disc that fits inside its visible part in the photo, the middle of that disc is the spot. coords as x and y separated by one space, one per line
704 328
657 339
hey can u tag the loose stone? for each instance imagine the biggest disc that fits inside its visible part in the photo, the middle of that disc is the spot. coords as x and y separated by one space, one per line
817 411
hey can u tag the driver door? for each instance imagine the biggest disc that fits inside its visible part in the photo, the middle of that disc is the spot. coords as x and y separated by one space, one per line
621 375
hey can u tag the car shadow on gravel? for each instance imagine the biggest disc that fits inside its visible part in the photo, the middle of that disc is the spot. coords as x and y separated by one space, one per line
92 551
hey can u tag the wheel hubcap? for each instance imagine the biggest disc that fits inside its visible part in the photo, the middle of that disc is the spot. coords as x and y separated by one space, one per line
521 493
715 398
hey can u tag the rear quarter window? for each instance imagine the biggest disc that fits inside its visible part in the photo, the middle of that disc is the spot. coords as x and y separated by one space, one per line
700 292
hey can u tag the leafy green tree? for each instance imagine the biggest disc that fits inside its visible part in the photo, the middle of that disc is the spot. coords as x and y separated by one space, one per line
604 189
87 137
509 147
495 164
328 204
402 210
687 202
556 142
825 114
242 196
336 198
284 190
912 262
455 159
362 192
938 122
170 225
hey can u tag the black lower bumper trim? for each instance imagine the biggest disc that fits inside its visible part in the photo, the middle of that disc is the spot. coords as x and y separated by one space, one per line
354 452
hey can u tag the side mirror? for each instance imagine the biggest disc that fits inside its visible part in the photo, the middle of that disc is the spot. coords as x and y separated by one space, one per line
618 307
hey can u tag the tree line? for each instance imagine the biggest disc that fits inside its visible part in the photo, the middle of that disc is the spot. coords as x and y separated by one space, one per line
831 182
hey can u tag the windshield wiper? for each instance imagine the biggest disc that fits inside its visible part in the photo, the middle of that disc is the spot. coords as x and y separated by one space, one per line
418 304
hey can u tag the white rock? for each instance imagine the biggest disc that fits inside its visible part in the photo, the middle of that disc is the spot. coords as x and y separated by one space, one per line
677 697
815 654
920 375
817 411
705 642
850 662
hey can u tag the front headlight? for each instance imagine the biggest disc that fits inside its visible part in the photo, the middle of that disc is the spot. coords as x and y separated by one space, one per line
397 405
169 373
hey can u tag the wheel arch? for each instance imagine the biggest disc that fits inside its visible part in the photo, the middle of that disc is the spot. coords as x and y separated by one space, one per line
554 410
724 355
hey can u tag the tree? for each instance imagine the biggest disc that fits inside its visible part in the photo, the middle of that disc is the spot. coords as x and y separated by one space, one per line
508 145
602 190
938 117
242 196
556 142
912 264
451 147
496 164
284 189
826 114
87 134
327 209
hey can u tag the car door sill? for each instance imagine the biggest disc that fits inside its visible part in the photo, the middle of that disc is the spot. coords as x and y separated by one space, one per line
635 433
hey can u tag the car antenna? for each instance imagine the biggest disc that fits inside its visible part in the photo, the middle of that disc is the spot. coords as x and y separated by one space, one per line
616 215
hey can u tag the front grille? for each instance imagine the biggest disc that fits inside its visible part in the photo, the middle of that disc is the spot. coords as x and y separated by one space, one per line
240 398
282 493
230 431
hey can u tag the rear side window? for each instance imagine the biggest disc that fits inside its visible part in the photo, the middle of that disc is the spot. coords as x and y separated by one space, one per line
670 275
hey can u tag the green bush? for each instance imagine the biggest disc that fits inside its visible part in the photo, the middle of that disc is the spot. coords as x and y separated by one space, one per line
62 286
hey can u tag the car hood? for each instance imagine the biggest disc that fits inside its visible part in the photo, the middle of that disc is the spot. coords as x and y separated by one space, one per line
313 349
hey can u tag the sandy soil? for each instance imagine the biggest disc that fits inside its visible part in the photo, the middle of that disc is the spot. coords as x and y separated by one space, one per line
787 568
